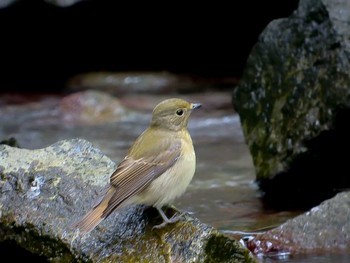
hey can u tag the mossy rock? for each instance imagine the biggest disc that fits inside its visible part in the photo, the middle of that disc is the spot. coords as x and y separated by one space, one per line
44 191
293 102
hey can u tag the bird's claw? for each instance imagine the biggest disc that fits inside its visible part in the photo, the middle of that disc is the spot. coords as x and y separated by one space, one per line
174 219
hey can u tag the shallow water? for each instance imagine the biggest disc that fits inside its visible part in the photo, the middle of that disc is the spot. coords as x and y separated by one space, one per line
223 192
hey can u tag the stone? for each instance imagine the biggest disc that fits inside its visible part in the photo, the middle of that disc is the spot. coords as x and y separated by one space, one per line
91 107
44 191
323 229
293 102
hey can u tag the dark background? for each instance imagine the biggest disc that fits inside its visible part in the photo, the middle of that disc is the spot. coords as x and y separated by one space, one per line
43 45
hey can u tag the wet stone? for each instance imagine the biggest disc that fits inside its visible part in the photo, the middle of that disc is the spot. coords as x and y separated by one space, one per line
44 191
293 102
325 228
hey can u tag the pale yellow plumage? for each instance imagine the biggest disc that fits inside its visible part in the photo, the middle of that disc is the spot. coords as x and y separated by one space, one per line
157 169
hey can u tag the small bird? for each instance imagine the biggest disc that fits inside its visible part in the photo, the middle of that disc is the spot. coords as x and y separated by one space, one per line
157 168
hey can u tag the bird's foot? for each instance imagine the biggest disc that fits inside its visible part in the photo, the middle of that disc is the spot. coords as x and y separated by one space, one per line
174 219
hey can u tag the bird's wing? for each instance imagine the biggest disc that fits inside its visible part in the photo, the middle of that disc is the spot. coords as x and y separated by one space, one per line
133 175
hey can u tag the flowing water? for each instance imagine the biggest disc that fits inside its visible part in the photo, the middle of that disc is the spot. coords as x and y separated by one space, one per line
223 192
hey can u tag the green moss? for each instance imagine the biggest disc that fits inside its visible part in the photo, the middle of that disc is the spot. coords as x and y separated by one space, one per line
145 249
223 249
296 74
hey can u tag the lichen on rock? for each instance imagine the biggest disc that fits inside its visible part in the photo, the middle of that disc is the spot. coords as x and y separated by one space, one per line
44 191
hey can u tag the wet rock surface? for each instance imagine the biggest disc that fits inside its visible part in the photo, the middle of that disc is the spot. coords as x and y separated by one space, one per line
323 229
293 101
44 191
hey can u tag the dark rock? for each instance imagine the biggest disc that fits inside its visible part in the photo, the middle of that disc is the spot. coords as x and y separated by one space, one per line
293 101
44 191
325 228
10 142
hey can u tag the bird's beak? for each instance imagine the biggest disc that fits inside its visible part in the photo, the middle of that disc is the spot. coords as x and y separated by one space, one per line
195 105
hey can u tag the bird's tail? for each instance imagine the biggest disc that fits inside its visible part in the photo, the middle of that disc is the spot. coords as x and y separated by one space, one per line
95 215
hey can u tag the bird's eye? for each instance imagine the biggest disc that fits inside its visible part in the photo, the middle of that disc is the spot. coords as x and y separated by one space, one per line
179 112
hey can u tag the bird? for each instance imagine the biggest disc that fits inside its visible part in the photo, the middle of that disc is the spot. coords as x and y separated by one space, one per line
156 170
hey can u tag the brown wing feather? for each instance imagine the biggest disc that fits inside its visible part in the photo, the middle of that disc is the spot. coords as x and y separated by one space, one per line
95 215
132 176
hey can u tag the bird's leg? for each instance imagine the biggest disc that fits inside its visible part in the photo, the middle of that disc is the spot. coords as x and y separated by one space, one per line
174 208
175 218
179 213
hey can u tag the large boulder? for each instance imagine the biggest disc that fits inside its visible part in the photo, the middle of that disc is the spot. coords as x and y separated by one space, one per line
44 191
293 101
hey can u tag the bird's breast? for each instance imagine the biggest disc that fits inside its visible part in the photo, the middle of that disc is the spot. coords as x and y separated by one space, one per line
173 182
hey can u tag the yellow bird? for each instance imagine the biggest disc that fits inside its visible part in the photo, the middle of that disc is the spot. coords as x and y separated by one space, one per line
157 168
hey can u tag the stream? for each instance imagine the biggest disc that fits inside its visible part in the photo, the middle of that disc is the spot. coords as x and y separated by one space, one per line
222 194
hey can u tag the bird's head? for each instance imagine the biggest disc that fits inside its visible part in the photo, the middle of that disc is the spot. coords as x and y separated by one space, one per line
173 114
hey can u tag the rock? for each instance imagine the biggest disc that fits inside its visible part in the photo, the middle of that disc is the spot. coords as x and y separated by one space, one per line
293 101
11 142
91 107
84 108
44 191
325 228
